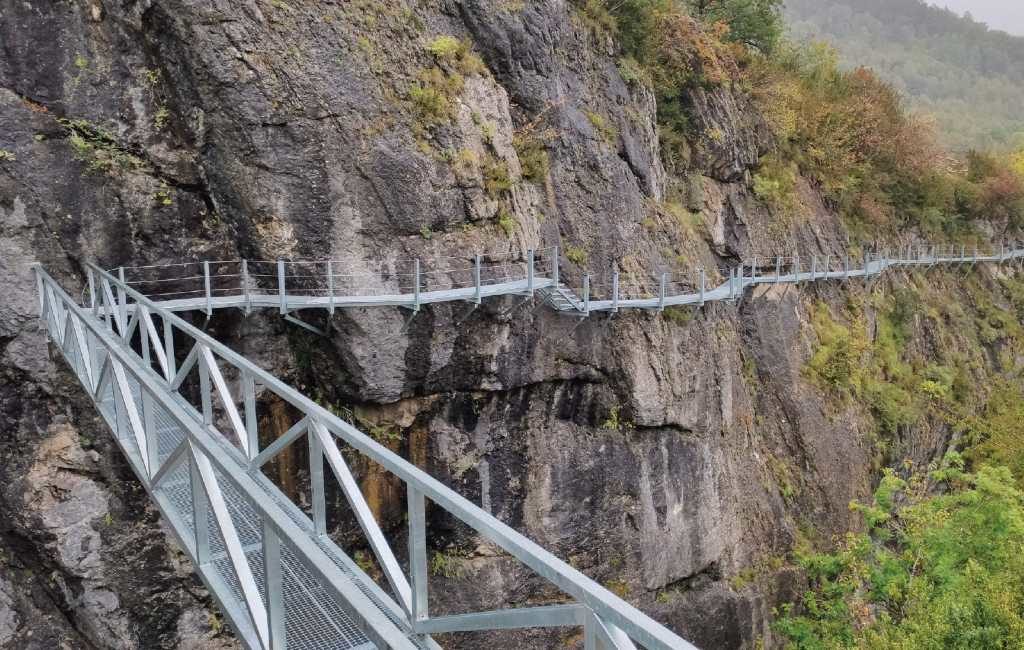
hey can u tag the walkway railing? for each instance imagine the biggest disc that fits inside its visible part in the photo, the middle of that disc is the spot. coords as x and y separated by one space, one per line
291 286
184 409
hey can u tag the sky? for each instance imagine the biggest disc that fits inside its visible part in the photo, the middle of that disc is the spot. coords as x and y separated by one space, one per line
1007 15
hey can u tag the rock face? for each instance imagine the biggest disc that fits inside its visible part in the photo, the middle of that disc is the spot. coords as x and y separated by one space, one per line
646 450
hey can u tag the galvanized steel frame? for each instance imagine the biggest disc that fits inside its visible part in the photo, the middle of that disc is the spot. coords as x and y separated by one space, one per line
607 621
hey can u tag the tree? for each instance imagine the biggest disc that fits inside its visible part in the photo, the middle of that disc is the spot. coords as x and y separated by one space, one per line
755 23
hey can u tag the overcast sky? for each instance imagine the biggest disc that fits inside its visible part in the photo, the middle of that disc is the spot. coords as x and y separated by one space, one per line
1007 15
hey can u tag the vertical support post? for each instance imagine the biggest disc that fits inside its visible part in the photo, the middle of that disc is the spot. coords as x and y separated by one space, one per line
281 287
40 289
586 295
732 283
703 285
206 286
416 287
92 289
1002 249
867 271
152 450
418 553
753 271
316 481
814 266
661 293
846 267
144 334
204 390
273 583
330 287
200 505
251 423
615 291
590 641
778 269
975 260
529 273
122 302
476 277
554 268
245 287
172 364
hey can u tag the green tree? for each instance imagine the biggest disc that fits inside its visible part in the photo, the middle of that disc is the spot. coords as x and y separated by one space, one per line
755 23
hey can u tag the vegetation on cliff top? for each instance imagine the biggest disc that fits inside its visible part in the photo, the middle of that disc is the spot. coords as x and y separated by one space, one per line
846 132
969 77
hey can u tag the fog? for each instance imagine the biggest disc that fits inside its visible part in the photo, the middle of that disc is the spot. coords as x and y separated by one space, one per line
1007 15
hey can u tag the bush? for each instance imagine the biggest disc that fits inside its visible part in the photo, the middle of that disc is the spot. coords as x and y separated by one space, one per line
940 571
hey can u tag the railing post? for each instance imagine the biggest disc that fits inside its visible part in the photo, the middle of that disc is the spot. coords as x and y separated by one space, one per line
251 423
199 512
152 450
529 272
330 287
416 286
245 287
732 283
122 301
586 295
867 271
554 269
40 289
172 364
753 271
814 266
828 260
418 553
615 291
206 286
846 267
92 289
316 482
273 583
661 293
778 269
281 289
144 335
703 285
476 277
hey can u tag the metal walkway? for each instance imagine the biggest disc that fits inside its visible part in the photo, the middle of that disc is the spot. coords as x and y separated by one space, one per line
290 286
185 412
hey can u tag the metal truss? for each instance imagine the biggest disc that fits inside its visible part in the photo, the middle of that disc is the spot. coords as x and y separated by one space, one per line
189 428
188 425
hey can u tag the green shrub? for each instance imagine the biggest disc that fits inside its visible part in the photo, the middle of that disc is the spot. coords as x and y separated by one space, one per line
936 571
497 180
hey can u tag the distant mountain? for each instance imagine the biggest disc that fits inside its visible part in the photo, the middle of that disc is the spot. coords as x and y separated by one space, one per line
970 77
1004 15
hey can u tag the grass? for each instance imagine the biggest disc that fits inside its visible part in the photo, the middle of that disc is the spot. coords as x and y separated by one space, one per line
533 156
97 148
603 126
576 254
506 222
497 180
448 565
